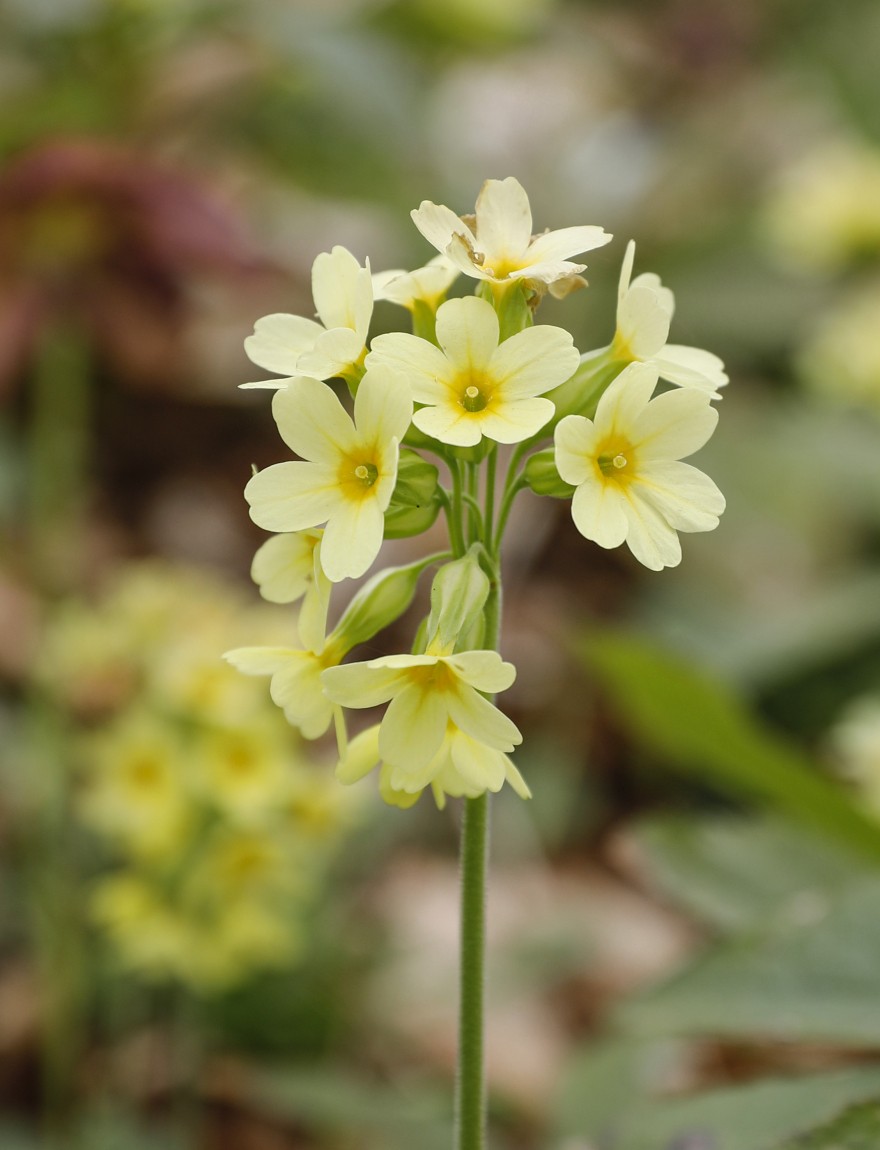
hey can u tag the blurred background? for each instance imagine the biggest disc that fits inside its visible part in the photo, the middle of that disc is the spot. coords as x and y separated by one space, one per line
205 942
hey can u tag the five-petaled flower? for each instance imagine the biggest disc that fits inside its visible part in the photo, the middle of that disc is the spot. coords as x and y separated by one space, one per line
500 247
438 727
472 384
293 345
463 767
644 313
625 465
348 468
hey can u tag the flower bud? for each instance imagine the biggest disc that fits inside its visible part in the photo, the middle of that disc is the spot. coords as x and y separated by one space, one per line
415 501
458 595
379 602
543 478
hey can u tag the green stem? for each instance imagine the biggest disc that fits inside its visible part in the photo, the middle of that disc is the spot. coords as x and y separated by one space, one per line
456 530
470 1099
491 464
470 1095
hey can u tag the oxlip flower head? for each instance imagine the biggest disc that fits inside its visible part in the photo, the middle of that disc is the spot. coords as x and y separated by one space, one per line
335 346
347 471
625 465
437 716
644 314
498 245
473 385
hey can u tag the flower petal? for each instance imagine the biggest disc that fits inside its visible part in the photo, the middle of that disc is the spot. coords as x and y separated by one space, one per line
438 224
650 538
686 498
625 399
363 684
468 332
361 756
312 421
565 242
352 538
576 441
642 322
292 496
598 509
481 767
515 421
258 660
383 406
296 688
428 371
626 269
691 367
483 670
481 719
451 424
504 221
413 728
283 567
335 351
673 425
279 340
533 361
343 291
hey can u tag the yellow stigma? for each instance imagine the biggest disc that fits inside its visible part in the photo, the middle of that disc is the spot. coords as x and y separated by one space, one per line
619 461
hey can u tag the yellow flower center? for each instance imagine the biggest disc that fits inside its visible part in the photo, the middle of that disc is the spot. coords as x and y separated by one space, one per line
616 460
357 475
473 399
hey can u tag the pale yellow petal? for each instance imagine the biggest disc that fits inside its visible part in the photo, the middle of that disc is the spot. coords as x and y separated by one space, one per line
576 442
363 684
514 421
504 221
566 242
674 425
686 498
428 372
283 568
343 291
312 421
413 728
450 424
642 322
279 340
598 509
533 362
292 496
361 756
467 330
383 405
438 224
352 538
691 367
482 720
650 538
483 670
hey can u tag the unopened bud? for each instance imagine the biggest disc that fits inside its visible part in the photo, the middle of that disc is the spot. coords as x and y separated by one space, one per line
379 602
543 478
458 595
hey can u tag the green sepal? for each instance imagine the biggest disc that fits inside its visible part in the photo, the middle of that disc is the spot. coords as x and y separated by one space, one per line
475 454
580 395
458 596
415 502
424 321
543 478
379 602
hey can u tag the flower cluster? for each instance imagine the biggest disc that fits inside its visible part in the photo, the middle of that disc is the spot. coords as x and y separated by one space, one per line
432 412
214 828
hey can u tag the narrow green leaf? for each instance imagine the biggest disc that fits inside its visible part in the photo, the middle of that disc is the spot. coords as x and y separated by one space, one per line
699 726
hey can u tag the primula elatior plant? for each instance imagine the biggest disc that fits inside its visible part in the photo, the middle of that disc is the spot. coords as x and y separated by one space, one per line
434 411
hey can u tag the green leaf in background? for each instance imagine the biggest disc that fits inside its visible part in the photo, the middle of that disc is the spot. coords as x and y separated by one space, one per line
732 872
858 1128
384 1116
812 973
753 1117
699 726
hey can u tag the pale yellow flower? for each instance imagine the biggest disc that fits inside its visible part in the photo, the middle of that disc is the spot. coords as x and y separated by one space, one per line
427 285
135 791
472 384
437 716
348 471
295 684
500 247
293 345
462 767
625 465
644 314
288 567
